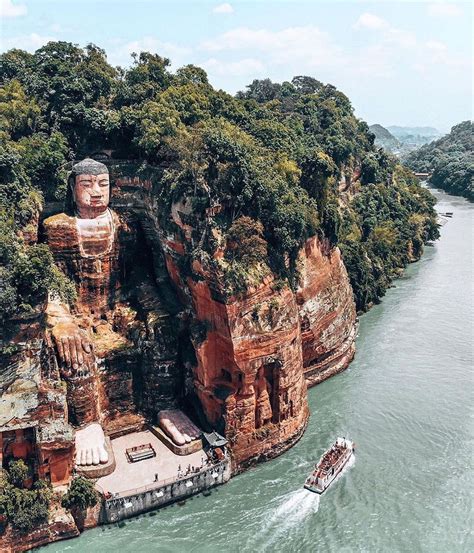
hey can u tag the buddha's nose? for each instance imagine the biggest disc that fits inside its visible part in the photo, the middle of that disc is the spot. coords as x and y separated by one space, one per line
95 190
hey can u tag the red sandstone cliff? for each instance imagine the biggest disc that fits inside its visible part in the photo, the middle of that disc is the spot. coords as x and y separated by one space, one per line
327 312
249 368
254 351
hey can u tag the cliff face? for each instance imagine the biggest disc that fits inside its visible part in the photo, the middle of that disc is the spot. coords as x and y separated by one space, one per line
33 410
61 526
255 352
326 311
248 375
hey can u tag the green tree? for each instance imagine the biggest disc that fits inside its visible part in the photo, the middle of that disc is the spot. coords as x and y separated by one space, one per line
80 495
18 113
148 75
191 74
44 160
245 241
18 472
450 160
29 274
24 509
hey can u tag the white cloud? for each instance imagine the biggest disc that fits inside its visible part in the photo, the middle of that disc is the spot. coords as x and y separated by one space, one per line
396 48
401 38
9 9
223 8
436 46
389 34
374 61
371 21
240 68
437 53
443 9
120 53
56 28
307 46
30 42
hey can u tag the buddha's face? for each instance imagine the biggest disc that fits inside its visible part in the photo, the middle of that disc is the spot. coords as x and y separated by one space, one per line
91 194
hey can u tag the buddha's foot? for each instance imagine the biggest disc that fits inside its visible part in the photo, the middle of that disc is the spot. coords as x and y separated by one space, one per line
90 445
170 429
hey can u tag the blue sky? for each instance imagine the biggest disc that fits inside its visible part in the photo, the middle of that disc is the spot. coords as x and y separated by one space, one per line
400 63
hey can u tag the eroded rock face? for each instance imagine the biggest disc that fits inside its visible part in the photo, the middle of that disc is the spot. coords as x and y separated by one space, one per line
327 312
33 409
60 527
255 352
249 375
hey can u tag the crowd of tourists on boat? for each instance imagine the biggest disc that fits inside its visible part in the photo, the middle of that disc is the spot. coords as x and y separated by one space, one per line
331 457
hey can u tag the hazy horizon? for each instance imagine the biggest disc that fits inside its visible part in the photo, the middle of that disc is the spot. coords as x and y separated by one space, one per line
400 63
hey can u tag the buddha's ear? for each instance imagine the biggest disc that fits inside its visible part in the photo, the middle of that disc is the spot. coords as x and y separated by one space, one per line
70 204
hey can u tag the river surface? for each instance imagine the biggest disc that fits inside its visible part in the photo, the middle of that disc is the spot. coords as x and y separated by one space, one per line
406 400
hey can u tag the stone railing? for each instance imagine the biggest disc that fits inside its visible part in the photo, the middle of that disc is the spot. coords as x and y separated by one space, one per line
134 501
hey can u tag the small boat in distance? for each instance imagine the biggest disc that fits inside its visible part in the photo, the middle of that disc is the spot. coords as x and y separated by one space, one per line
330 465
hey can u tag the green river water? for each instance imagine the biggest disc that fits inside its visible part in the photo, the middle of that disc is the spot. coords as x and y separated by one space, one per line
406 400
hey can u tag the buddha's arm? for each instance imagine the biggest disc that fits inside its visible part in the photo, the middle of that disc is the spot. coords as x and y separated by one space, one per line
74 346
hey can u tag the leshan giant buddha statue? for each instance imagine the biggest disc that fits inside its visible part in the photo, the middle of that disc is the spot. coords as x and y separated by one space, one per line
86 245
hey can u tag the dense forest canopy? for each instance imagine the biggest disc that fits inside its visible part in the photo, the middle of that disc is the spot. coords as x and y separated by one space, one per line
274 156
450 160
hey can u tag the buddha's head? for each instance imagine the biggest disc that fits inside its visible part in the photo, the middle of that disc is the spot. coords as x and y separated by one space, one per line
89 188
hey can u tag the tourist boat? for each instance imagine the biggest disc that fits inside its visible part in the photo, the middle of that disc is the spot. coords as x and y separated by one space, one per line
330 465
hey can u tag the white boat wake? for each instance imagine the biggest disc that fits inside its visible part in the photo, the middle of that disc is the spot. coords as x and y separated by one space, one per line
294 508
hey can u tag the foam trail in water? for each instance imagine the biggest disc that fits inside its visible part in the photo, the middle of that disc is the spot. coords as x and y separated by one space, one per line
294 508
292 511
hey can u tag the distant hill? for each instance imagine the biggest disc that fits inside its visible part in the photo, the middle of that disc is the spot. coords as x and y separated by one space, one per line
450 160
402 132
384 138
411 138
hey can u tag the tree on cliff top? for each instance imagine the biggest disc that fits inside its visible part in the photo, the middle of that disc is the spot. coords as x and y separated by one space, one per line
245 241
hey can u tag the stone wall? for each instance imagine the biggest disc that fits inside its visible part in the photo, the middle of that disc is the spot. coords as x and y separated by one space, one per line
116 509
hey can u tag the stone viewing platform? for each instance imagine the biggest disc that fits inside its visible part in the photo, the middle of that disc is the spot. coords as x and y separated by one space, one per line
134 488
129 476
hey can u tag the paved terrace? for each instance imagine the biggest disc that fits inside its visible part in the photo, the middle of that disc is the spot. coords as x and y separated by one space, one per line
128 476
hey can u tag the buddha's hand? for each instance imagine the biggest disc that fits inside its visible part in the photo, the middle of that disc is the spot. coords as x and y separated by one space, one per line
74 347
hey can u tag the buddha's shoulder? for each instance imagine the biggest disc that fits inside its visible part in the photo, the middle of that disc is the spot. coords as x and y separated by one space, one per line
59 220
117 219
59 229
